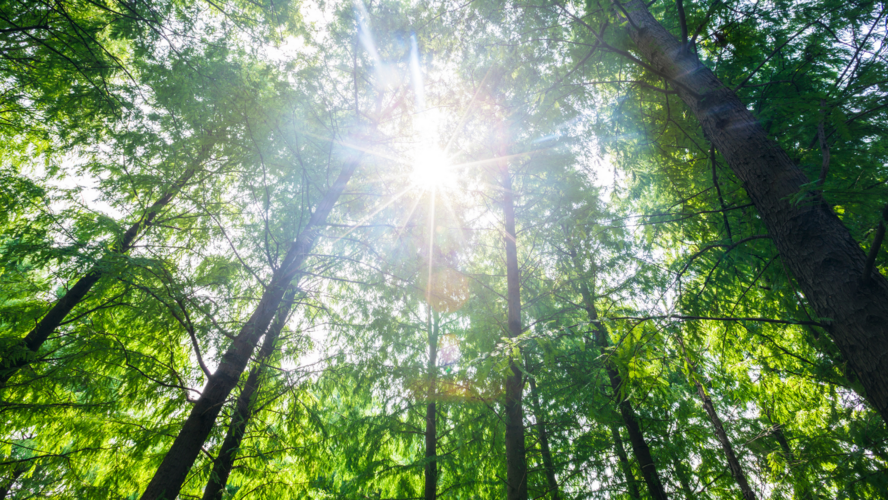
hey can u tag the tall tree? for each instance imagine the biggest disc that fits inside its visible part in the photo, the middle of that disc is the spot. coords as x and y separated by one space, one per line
171 473
516 461
811 240
22 353
431 429
717 426
649 469
245 406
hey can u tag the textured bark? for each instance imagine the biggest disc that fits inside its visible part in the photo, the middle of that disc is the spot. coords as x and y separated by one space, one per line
244 408
718 428
23 352
173 470
516 460
431 431
630 420
811 240
624 462
548 463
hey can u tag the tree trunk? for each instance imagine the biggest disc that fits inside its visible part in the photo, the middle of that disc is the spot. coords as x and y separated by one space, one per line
828 264
23 352
516 461
431 431
548 463
800 479
683 479
636 437
17 470
173 470
719 429
244 408
624 462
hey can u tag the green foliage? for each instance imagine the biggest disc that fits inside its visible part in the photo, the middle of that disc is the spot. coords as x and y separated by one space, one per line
240 114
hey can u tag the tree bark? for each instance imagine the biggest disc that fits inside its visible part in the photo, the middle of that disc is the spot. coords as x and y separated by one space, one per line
244 409
624 462
548 463
630 420
431 431
719 429
173 470
516 460
23 352
812 241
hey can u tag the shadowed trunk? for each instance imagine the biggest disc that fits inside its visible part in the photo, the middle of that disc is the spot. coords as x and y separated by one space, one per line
683 479
825 260
17 470
624 462
719 429
548 463
173 470
630 420
244 409
431 432
516 461
24 351
800 480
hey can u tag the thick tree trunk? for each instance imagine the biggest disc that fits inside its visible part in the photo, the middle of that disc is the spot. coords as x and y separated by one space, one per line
548 463
719 429
828 264
630 420
22 353
173 470
431 431
516 460
244 408
624 462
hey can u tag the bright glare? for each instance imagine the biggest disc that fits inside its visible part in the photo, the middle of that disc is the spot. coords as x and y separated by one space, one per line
432 170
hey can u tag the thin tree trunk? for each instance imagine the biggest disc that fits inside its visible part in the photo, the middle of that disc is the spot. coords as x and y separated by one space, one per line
244 409
719 429
812 241
173 470
800 480
516 460
624 462
548 463
683 479
636 437
431 431
24 351
17 470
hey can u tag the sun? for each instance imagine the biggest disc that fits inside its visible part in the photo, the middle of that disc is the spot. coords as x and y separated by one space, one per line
432 169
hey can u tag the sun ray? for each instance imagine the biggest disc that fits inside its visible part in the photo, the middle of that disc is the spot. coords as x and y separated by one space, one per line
365 219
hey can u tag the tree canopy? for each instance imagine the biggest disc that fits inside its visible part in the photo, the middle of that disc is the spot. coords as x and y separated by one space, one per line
401 249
